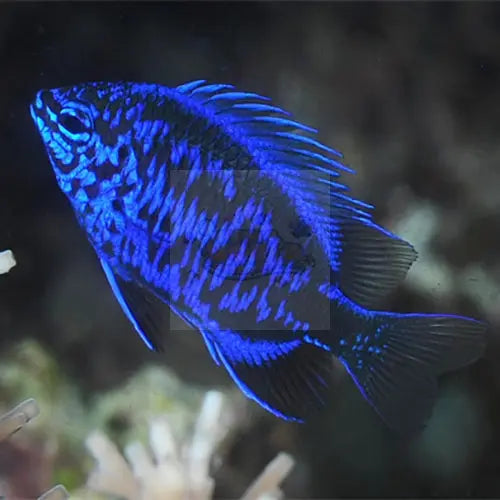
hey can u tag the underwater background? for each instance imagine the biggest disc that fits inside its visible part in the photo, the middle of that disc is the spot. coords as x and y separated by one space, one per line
408 92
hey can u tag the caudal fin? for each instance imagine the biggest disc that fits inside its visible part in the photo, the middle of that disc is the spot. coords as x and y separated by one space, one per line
396 363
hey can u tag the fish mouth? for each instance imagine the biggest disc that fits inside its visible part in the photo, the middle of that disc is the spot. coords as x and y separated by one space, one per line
43 129
40 113
33 113
37 108
40 99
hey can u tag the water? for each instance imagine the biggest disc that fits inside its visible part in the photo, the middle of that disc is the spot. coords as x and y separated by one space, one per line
408 92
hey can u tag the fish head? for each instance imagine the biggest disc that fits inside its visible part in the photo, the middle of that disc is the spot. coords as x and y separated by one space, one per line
84 154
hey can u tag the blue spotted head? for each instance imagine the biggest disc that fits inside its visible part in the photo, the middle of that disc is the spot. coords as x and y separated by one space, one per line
88 156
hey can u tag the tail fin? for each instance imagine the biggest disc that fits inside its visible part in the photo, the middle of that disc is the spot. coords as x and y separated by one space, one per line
396 364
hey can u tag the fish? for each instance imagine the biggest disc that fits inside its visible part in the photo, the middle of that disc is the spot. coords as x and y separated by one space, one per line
217 205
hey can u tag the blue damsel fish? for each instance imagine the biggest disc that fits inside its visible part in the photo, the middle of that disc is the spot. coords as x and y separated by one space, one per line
218 204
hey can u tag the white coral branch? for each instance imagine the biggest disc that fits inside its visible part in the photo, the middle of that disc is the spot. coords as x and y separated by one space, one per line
171 471
56 493
208 433
7 261
267 483
112 474
20 415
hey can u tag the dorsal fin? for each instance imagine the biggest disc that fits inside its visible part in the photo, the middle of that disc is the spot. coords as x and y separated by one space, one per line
372 262
308 172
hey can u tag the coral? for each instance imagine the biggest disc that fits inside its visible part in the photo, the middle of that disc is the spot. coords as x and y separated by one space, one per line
13 421
7 261
24 412
177 467
176 470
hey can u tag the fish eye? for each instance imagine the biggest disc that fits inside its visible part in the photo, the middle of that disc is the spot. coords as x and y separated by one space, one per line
75 124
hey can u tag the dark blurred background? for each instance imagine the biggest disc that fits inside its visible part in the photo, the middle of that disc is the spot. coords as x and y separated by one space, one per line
409 92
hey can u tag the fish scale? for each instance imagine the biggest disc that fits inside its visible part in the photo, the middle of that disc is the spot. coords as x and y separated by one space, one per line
178 250
218 206
146 204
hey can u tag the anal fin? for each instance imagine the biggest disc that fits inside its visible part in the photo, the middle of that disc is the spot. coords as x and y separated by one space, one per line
289 378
